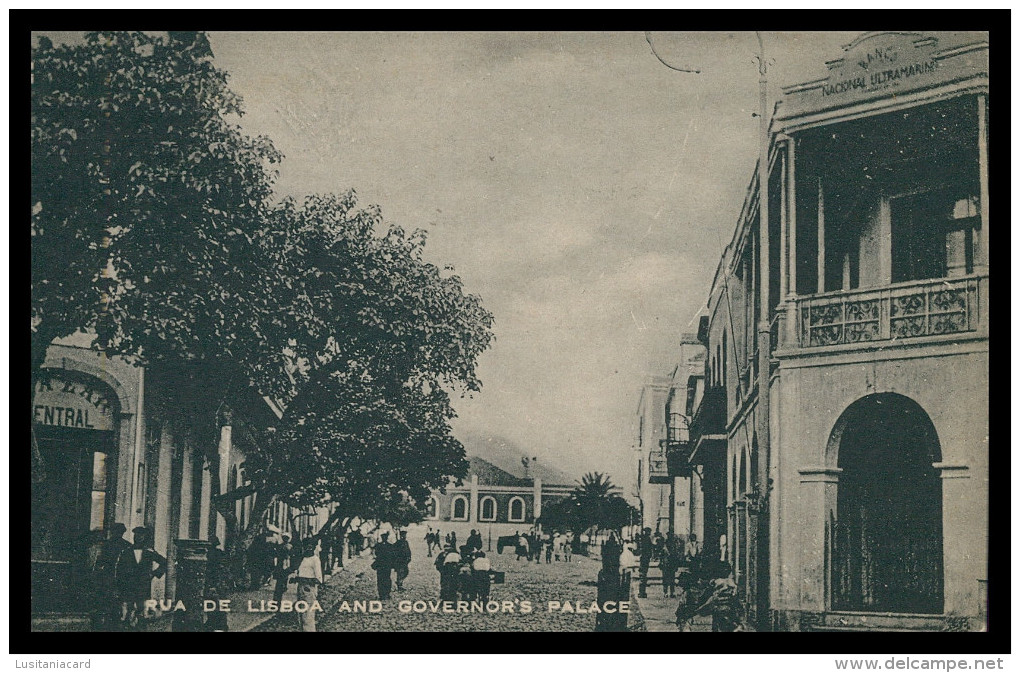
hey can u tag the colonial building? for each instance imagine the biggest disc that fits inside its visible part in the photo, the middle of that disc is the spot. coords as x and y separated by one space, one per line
113 444
653 490
672 494
866 503
491 498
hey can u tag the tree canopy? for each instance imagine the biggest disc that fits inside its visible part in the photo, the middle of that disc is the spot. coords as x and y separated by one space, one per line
155 227
146 197
592 504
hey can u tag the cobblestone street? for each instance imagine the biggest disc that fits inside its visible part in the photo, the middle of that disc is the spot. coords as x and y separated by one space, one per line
538 583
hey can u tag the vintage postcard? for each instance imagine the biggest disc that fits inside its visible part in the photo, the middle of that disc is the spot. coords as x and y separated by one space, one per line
510 331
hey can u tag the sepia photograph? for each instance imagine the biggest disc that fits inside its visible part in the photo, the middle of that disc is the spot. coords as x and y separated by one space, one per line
493 331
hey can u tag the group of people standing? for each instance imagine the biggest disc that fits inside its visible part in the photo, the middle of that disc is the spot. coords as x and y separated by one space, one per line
121 578
705 586
672 553
464 573
391 557
555 546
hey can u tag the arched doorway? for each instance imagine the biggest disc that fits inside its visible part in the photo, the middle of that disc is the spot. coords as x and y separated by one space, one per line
73 491
887 533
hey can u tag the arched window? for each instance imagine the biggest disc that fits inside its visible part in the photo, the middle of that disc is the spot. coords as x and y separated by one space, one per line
488 506
460 508
431 509
516 509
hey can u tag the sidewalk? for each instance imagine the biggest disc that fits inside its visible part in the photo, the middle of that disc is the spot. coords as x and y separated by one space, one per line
241 619
658 611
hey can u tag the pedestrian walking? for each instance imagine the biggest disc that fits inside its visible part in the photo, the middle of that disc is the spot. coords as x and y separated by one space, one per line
522 549
669 564
612 551
309 579
402 559
383 565
136 566
284 567
428 541
474 541
645 550
536 547
548 551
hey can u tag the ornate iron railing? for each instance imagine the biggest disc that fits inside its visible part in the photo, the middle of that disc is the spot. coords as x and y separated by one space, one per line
901 311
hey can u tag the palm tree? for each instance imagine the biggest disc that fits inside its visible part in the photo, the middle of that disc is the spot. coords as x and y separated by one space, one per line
594 494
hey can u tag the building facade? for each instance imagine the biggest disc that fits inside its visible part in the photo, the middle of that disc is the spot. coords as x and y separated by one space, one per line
491 499
670 491
856 472
653 480
112 443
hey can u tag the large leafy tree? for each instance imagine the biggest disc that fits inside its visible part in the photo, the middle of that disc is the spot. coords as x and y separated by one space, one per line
146 196
155 228
365 341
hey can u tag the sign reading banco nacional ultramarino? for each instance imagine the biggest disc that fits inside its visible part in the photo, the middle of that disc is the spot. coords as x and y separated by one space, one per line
883 64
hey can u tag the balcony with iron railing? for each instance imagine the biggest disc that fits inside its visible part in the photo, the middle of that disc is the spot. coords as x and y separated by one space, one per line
709 421
678 445
911 311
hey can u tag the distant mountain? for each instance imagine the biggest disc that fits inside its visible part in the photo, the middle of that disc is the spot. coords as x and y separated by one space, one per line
507 457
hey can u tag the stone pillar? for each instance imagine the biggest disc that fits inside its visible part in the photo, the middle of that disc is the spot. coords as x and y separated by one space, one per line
538 498
885 242
226 435
818 491
963 560
982 120
473 502
821 236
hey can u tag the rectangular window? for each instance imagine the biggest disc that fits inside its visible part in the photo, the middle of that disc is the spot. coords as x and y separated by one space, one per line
932 235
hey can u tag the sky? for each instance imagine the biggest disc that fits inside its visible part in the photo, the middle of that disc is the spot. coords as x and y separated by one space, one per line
580 187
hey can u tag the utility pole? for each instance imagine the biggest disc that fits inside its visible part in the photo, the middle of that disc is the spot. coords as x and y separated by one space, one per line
762 571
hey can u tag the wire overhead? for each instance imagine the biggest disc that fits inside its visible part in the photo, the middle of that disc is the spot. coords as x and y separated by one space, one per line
648 37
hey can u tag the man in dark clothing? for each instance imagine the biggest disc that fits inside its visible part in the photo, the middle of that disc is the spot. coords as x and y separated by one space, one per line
428 541
402 559
474 541
284 567
645 549
134 576
669 562
383 565
611 550
107 599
